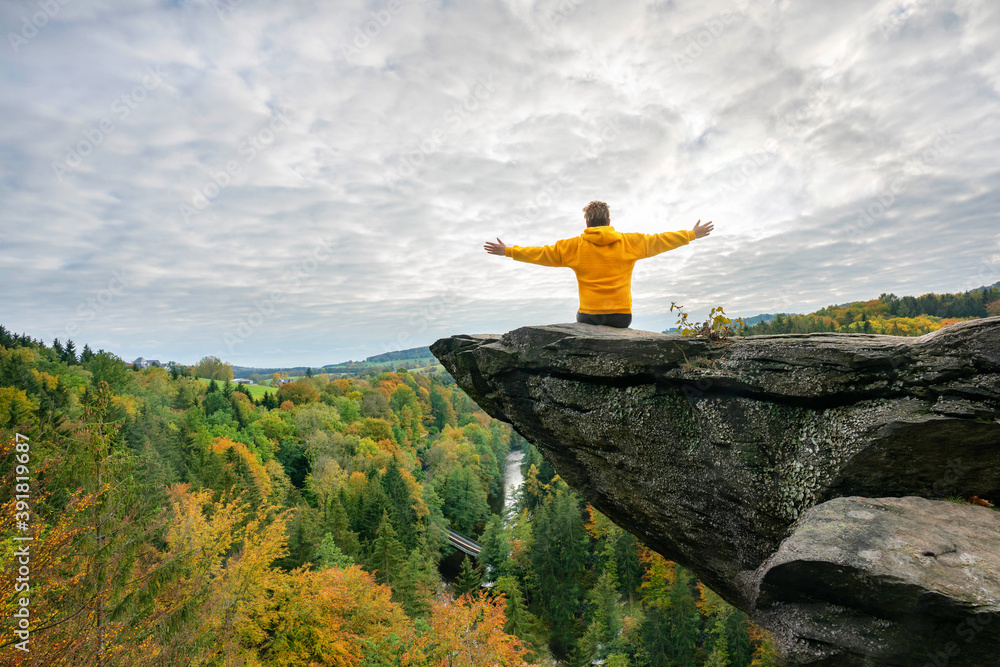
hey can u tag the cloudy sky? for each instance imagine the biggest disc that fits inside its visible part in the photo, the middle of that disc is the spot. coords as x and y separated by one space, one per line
311 182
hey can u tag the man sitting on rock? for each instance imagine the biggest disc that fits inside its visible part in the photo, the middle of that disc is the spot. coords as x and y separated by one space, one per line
602 259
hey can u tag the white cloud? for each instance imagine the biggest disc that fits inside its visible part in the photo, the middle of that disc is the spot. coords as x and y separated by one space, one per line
789 125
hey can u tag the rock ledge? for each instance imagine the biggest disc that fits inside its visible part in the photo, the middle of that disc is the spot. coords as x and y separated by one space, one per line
802 477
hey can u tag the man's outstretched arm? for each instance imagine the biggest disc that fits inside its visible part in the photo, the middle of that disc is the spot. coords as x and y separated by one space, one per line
657 243
545 255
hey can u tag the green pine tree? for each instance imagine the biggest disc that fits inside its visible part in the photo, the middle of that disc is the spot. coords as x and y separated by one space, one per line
420 581
627 567
69 354
495 544
470 579
603 599
404 518
335 523
464 500
520 621
559 552
738 637
387 555
656 639
719 657
683 619
328 554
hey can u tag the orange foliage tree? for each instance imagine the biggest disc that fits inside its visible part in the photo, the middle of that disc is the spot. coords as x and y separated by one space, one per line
469 632
300 392
331 617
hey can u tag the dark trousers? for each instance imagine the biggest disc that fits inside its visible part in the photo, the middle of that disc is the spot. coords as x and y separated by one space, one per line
620 320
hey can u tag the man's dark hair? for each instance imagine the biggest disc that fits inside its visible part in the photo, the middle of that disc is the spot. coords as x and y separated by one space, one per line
597 214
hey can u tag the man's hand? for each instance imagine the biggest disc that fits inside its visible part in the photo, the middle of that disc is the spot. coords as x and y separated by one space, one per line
497 248
700 230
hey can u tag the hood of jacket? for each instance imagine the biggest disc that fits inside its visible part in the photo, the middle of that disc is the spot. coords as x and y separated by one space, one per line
601 235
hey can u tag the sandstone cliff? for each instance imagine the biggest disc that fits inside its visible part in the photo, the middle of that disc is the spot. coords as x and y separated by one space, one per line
802 477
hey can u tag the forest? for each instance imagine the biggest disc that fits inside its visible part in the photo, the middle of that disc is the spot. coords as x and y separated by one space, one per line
177 522
167 520
888 314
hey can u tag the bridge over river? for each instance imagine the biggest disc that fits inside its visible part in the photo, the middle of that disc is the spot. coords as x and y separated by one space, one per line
463 543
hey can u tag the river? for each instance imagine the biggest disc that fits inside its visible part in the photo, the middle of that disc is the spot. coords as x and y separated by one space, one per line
512 479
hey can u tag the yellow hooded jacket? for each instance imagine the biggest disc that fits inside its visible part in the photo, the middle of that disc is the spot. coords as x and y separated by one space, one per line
602 259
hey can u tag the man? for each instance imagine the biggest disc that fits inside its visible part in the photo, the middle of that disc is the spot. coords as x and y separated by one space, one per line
602 259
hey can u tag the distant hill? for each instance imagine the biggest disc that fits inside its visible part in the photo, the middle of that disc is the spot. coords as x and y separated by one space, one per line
410 357
764 317
243 371
401 355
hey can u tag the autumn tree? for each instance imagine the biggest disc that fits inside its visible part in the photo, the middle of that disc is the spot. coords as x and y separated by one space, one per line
334 616
95 556
300 392
214 368
219 599
765 654
468 632
442 412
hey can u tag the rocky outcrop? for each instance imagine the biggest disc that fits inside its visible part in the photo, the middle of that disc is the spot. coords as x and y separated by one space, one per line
802 477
